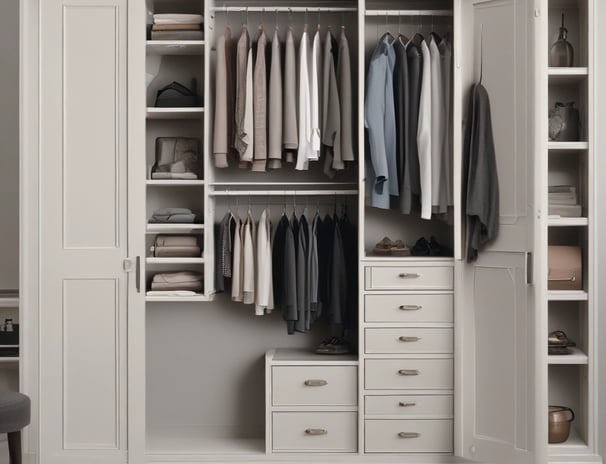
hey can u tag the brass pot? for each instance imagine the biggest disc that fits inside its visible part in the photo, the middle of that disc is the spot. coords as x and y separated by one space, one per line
560 418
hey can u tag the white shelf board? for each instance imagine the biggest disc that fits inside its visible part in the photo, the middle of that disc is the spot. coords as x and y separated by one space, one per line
307 357
174 183
575 357
567 295
175 113
575 444
153 260
183 228
8 359
175 47
574 74
568 145
9 301
567 221
177 299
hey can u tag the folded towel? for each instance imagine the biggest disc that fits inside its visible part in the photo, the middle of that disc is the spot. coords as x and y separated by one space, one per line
171 293
177 251
186 280
177 35
174 175
165 240
178 18
174 219
176 27
168 211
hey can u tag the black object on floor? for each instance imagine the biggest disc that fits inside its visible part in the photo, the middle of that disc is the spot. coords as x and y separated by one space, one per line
334 345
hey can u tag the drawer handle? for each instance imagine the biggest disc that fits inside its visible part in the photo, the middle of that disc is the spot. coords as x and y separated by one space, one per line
316 431
409 339
404 404
410 307
315 383
409 435
409 275
408 372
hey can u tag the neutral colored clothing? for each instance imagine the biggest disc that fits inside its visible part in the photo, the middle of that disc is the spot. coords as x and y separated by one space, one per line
290 311
186 280
424 134
277 260
177 251
249 121
344 74
437 127
221 132
401 102
316 95
305 152
264 297
248 259
446 193
331 107
303 308
290 138
314 271
379 119
260 105
412 177
240 137
178 18
480 173
236 283
338 279
274 146
177 35
173 215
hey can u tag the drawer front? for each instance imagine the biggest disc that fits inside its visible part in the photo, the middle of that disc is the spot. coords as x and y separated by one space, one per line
314 385
409 436
410 405
408 308
387 374
409 340
315 431
409 278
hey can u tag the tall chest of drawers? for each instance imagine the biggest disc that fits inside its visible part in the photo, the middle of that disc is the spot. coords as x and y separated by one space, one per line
407 353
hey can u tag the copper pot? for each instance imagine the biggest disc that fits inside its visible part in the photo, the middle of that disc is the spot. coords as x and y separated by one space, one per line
560 418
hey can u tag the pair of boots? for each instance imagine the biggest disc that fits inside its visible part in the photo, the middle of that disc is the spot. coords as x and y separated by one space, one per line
427 248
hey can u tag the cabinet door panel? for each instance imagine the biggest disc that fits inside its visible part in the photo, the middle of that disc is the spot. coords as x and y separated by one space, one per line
83 219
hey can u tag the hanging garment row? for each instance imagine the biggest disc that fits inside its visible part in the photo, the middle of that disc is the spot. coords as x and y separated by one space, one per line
302 271
408 116
301 113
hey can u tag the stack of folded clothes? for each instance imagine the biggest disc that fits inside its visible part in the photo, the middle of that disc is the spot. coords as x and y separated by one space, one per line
174 215
184 281
177 27
177 158
176 246
563 201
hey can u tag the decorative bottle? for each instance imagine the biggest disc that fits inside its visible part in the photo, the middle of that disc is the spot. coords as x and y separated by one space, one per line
561 53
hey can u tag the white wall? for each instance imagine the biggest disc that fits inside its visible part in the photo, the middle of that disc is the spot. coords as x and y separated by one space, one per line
9 144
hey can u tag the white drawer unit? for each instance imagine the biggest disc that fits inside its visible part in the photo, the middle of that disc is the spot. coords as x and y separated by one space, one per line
409 340
414 374
409 278
409 308
417 406
408 436
314 385
324 432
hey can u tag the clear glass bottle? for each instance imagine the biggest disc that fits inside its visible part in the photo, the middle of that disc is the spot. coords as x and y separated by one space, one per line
561 53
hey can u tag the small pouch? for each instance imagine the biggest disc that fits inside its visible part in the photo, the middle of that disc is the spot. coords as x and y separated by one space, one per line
565 268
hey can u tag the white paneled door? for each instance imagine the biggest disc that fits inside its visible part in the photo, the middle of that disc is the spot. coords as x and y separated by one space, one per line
496 298
83 231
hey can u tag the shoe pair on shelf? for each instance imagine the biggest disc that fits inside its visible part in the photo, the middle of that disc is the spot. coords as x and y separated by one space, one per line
334 345
423 247
388 248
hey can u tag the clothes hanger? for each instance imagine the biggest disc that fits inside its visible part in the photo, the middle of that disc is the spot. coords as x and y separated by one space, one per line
481 52
401 37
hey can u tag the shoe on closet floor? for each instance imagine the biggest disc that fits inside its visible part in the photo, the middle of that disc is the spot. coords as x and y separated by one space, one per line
383 248
334 345
421 248
400 249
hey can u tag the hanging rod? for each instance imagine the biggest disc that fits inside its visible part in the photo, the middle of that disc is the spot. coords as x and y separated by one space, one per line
282 184
259 193
285 9
408 12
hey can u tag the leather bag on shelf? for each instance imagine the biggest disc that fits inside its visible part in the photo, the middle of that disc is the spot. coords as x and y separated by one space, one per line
565 268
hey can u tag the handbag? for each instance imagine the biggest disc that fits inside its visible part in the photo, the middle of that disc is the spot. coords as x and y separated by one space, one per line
565 268
564 123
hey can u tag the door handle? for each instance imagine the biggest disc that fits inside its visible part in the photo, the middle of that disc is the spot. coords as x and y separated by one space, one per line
315 383
138 273
409 339
410 307
409 435
408 372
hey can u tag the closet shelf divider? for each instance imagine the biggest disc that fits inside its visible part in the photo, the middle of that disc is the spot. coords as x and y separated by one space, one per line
175 47
409 13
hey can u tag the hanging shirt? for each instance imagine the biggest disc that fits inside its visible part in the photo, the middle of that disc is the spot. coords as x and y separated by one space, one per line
338 281
248 260
223 111
304 312
305 151
260 105
290 311
316 94
344 74
437 126
247 157
277 260
236 284
446 195
224 250
379 119
274 151
241 139
290 139
314 268
480 171
401 102
424 134
331 106
264 297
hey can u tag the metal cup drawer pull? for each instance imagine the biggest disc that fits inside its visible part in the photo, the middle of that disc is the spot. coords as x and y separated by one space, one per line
315 383
409 275
404 404
316 431
409 339
408 372
409 435
410 307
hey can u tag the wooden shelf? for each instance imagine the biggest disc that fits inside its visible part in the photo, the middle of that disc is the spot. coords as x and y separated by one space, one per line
566 75
178 299
568 145
173 183
175 113
8 359
182 228
567 221
175 47
567 295
153 260
575 357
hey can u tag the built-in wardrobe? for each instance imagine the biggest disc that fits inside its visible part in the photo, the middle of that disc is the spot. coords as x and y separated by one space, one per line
449 359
